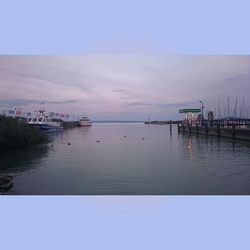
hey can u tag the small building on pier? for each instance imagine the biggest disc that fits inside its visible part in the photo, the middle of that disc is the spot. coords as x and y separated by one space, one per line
192 116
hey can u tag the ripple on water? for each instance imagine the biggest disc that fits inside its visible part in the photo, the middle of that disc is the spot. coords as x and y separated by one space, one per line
160 164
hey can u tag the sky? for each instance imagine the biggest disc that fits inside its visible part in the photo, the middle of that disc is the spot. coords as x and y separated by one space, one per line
125 87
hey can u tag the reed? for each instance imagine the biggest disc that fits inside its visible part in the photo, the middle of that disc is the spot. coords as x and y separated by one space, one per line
15 134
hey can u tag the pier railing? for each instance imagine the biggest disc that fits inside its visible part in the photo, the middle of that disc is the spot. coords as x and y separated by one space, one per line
229 123
234 128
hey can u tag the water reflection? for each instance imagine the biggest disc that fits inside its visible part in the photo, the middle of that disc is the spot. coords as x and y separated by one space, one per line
17 161
163 163
199 147
188 144
204 141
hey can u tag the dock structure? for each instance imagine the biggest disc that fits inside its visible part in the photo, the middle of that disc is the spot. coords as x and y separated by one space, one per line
229 127
242 133
162 122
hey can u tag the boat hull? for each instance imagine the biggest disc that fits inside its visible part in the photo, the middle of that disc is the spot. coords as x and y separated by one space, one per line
48 128
85 124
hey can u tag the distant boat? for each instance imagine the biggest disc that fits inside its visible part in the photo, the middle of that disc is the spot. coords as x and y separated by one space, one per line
44 123
85 121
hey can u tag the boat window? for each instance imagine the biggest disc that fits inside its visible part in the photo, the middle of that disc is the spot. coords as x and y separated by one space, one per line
34 119
40 119
30 119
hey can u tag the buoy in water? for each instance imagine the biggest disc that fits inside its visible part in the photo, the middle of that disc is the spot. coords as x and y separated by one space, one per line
97 141
69 143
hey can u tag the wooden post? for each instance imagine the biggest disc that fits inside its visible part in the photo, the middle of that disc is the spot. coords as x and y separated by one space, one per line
206 130
197 129
218 129
233 131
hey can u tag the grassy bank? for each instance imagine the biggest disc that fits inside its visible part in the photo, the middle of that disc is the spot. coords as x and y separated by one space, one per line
17 135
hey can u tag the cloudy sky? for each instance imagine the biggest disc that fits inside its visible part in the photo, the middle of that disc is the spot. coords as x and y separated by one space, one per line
124 87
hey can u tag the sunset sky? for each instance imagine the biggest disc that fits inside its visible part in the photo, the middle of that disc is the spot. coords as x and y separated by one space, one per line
123 87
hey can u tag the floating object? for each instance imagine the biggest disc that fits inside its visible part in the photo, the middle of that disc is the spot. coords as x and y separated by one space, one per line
124 136
143 138
69 143
52 145
97 141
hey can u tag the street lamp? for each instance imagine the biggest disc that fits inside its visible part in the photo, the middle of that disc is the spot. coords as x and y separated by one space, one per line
202 107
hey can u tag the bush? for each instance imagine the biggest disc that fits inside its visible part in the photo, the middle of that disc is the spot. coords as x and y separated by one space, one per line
16 135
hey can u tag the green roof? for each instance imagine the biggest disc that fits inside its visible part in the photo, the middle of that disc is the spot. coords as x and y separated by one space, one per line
189 110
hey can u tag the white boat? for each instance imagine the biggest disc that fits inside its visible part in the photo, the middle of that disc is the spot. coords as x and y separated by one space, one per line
44 123
85 121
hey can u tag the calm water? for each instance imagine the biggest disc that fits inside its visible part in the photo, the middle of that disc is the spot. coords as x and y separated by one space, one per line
162 163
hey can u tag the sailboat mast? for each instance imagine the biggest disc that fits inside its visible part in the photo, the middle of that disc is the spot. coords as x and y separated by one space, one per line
219 111
235 109
242 111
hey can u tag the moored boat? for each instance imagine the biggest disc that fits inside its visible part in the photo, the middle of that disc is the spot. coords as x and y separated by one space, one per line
44 123
85 121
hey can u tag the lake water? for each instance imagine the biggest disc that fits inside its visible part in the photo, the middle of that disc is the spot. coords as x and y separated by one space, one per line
161 163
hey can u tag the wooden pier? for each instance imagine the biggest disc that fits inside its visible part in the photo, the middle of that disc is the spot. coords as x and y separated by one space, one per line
220 131
162 122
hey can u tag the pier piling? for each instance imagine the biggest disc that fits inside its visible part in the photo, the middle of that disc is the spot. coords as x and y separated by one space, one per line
233 131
